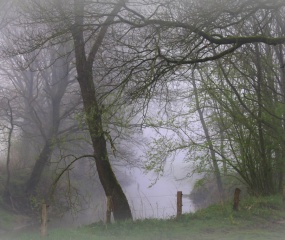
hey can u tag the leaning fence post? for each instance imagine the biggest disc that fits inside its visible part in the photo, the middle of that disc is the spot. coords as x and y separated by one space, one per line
44 220
179 204
109 209
236 199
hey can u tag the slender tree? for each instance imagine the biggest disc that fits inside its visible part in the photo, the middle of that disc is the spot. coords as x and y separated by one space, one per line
215 164
8 127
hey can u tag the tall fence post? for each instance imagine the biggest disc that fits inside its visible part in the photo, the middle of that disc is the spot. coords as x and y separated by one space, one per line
44 220
109 209
179 204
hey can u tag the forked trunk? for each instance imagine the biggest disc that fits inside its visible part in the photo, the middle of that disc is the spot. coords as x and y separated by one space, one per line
84 67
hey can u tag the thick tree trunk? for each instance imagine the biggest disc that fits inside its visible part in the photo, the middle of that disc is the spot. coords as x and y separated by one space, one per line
121 208
59 78
45 155
236 199
84 68
32 183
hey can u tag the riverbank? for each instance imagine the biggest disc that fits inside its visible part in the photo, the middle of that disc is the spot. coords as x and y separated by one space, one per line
258 218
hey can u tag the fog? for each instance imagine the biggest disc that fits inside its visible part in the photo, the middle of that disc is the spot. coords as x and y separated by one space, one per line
158 200
150 195
131 100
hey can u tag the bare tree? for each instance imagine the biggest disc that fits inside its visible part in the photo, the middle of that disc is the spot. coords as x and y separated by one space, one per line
47 102
68 20
7 115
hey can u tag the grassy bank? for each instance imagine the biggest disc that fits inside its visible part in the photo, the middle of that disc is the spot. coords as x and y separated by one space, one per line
258 218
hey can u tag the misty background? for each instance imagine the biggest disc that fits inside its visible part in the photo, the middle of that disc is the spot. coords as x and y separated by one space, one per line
137 100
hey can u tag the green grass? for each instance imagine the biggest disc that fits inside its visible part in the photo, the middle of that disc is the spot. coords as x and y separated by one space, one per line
6 220
258 218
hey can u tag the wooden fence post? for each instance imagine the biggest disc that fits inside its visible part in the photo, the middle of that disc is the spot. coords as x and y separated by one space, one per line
109 209
236 199
44 220
179 204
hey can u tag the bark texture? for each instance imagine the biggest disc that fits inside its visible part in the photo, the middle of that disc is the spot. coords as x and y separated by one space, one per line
84 67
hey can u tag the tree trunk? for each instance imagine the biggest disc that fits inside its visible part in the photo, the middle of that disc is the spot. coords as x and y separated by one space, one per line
107 177
265 164
121 209
32 183
236 199
59 78
6 193
209 143
47 150
281 165
84 68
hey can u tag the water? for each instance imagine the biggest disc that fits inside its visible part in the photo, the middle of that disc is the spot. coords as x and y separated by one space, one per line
149 200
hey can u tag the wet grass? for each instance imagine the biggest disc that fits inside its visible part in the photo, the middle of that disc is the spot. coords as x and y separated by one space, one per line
258 218
6 219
